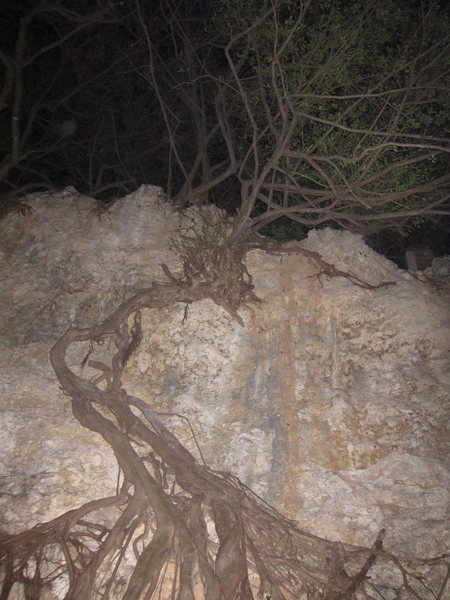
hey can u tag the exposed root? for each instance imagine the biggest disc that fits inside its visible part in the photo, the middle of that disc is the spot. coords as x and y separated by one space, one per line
177 528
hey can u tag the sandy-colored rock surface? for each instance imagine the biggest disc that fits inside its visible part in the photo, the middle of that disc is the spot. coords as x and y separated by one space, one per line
331 403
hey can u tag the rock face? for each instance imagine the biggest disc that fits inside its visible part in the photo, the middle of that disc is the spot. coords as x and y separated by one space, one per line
331 403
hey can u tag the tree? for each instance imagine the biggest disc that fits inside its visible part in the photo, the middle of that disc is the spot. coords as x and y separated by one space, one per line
320 119
323 112
280 100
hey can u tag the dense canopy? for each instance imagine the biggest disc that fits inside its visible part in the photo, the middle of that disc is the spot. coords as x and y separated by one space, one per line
290 115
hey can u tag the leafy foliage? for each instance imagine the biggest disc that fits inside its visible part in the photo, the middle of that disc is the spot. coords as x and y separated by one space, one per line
355 85
325 112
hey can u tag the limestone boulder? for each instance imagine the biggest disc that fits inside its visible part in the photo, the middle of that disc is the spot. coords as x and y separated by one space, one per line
331 403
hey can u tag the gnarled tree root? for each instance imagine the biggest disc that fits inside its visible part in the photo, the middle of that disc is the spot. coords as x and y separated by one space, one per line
176 526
